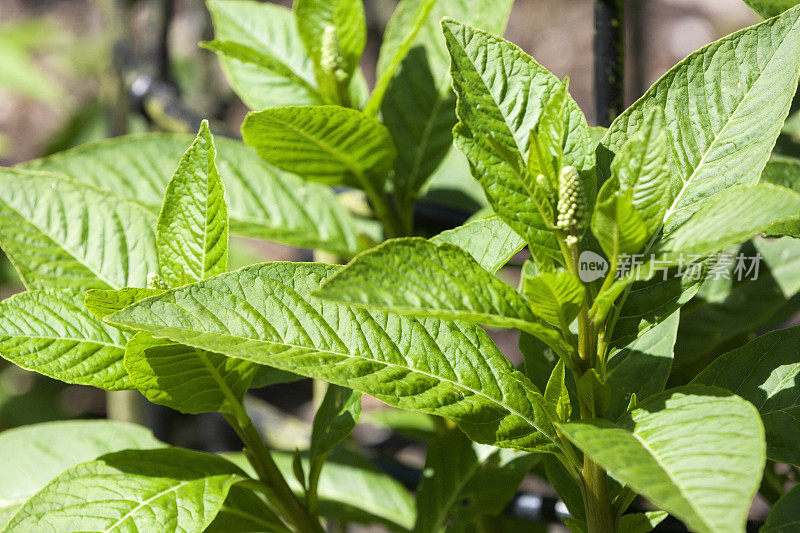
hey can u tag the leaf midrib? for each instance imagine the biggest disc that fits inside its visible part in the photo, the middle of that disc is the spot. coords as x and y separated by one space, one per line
711 147
675 483
339 156
312 350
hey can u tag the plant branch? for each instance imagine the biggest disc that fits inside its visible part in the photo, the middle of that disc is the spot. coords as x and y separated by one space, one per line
277 490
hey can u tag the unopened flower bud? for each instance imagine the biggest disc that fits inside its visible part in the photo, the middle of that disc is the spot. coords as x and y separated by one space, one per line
154 281
572 210
331 59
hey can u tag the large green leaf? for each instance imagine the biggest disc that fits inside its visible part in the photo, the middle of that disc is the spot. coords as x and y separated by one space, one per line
265 314
168 489
61 233
419 106
192 229
326 144
287 75
765 372
490 241
733 304
642 367
51 332
461 480
416 277
186 379
35 454
784 516
450 462
501 95
696 452
263 201
770 8
344 19
732 216
724 105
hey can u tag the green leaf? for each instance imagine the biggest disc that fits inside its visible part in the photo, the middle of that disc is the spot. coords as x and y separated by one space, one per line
416 277
347 19
326 144
741 87
765 372
35 454
770 8
501 94
546 141
265 314
593 392
757 208
449 464
642 167
351 489
617 224
413 69
783 518
244 512
556 392
493 486
192 230
180 490
102 302
400 33
286 77
50 332
733 305
186 379
462 480
555 296
334 420
60 233
643 366
490 241
669 450
783 171
640 522
732 216
263 202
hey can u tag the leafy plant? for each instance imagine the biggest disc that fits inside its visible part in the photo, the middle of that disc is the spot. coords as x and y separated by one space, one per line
129 288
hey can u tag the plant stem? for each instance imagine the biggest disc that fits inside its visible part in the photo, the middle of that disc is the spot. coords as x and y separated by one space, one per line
600 515
383 210
609 59
278 491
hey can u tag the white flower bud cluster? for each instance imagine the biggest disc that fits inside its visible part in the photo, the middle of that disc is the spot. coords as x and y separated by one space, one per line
572 210
331 59
154 281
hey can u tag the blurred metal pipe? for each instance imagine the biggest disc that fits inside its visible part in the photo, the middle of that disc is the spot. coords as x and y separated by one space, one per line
609 59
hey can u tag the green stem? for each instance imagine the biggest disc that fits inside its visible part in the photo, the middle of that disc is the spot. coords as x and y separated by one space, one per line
600 514
276 489
383 210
